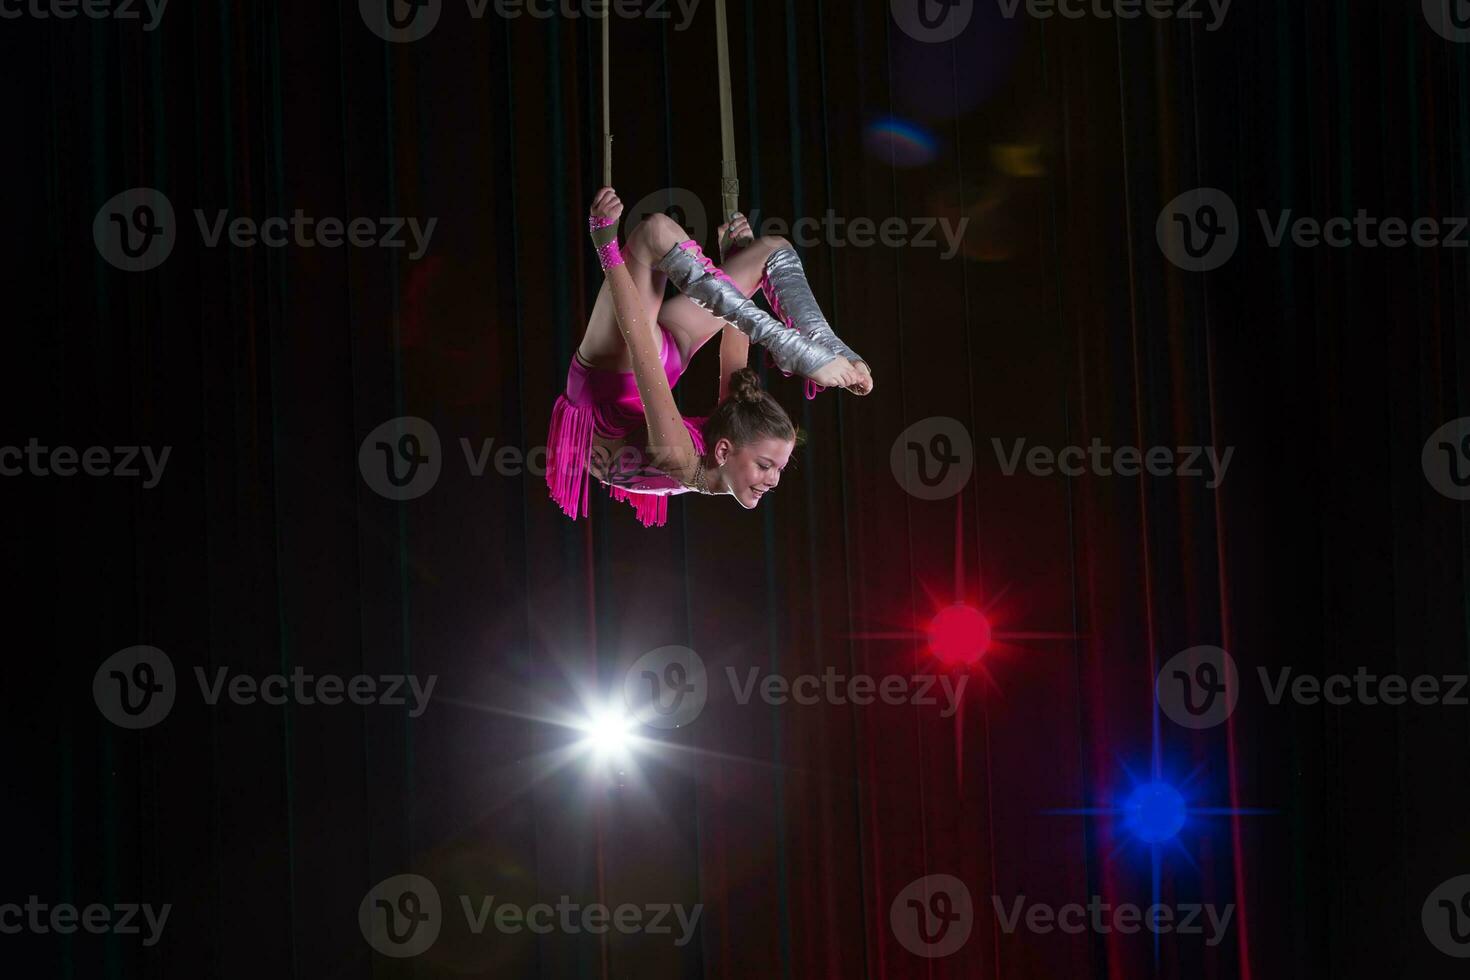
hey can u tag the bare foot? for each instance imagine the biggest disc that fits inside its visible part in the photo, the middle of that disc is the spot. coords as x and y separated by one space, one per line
838 373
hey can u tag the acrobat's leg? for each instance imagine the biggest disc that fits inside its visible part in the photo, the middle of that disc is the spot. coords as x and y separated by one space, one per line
790 295
716 291
691 324
602 345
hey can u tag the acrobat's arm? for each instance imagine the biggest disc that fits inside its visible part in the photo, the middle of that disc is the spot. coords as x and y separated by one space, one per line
669 442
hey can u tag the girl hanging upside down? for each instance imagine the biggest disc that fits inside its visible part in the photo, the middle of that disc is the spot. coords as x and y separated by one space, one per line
617 420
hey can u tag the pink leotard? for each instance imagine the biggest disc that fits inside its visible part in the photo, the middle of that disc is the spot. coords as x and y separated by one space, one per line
606 403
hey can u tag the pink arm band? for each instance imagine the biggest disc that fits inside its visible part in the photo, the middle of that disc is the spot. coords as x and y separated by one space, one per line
608 252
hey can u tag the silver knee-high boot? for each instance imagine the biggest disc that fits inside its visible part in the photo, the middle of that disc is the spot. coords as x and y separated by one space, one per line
697 277
790 295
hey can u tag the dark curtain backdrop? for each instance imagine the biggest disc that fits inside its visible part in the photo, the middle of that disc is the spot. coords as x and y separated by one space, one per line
263 549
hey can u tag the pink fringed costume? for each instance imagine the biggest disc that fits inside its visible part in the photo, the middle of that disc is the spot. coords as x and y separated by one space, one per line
606 403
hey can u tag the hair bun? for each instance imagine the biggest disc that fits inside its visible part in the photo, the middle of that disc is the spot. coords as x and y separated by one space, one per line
745 386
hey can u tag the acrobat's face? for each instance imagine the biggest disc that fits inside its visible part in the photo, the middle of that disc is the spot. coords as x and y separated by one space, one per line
752 471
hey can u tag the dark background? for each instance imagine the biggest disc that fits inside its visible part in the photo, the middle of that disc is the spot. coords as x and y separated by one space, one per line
263 548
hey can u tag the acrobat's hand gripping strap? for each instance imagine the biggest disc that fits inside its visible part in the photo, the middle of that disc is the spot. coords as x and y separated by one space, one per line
605 240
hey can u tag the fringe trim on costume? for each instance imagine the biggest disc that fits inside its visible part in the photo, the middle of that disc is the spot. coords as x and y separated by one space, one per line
568 449
652 509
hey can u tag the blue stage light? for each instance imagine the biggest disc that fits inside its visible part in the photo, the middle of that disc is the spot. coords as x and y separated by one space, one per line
1155 812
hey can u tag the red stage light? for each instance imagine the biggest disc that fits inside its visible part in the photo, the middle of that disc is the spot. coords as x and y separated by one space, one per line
959 634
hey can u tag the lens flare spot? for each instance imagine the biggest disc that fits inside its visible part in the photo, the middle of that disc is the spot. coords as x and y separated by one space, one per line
960 634
900 143
1154 812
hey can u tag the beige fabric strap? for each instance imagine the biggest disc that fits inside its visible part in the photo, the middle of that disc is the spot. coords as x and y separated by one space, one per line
606 100
729 174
